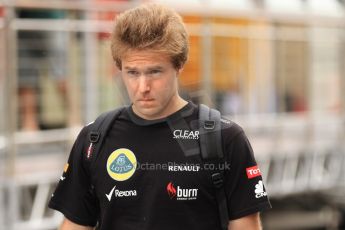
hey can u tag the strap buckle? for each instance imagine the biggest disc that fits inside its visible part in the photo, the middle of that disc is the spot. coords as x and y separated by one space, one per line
94 137
209 124
217 179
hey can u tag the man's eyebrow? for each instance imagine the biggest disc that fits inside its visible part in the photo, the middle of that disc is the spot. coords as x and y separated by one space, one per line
130 68
155 67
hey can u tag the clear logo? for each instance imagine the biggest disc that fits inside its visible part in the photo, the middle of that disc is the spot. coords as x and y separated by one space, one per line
186 134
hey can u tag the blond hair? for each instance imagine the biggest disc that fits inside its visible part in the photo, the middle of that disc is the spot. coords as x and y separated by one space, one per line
150 26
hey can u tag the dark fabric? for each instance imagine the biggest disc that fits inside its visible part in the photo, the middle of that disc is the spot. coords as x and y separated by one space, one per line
168 189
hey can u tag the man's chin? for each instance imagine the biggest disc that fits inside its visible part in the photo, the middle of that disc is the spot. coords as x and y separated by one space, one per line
146 104
147 112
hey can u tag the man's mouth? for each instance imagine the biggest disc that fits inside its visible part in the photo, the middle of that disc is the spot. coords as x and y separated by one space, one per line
146 99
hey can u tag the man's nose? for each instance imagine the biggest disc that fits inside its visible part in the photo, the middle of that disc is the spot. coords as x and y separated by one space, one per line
144 84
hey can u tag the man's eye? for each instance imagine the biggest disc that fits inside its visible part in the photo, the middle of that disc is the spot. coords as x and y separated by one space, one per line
155 71
132 72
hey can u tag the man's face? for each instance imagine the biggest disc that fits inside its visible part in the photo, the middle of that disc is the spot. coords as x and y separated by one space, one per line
151 82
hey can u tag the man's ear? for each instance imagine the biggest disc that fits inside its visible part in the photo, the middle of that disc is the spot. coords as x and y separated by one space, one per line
179 71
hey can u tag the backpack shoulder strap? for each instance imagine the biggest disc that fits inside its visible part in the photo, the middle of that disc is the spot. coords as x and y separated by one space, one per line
210 133
212 152
98 132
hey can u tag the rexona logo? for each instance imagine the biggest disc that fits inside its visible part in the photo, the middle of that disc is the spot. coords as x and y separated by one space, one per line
253 172
186 134
121 164
181 193
118 193
260 190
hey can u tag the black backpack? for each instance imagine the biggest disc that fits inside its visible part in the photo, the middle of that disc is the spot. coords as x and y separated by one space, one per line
210 148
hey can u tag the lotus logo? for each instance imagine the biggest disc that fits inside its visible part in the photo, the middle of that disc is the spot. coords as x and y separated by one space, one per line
121 160
121 164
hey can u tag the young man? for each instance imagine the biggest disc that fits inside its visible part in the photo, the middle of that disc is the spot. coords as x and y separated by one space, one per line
127 187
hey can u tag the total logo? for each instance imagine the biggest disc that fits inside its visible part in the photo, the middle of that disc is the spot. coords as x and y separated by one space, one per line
179 193
260 190
253 172
186 134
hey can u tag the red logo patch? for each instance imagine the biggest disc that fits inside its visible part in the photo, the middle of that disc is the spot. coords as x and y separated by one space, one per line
253 172
89 151
171 190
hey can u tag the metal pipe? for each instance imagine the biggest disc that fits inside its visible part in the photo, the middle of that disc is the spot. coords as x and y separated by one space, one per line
215 29
185 8
11 115
206 66
69 5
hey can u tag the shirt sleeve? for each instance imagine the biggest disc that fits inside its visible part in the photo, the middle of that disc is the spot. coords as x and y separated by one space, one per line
246 193
74 196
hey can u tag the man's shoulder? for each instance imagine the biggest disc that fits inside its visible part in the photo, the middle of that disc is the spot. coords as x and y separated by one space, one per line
230 129
119 112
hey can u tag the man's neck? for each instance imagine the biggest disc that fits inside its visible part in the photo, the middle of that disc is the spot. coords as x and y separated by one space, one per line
173 106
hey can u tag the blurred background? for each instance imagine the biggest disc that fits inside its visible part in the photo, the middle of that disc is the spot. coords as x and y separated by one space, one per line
275 67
